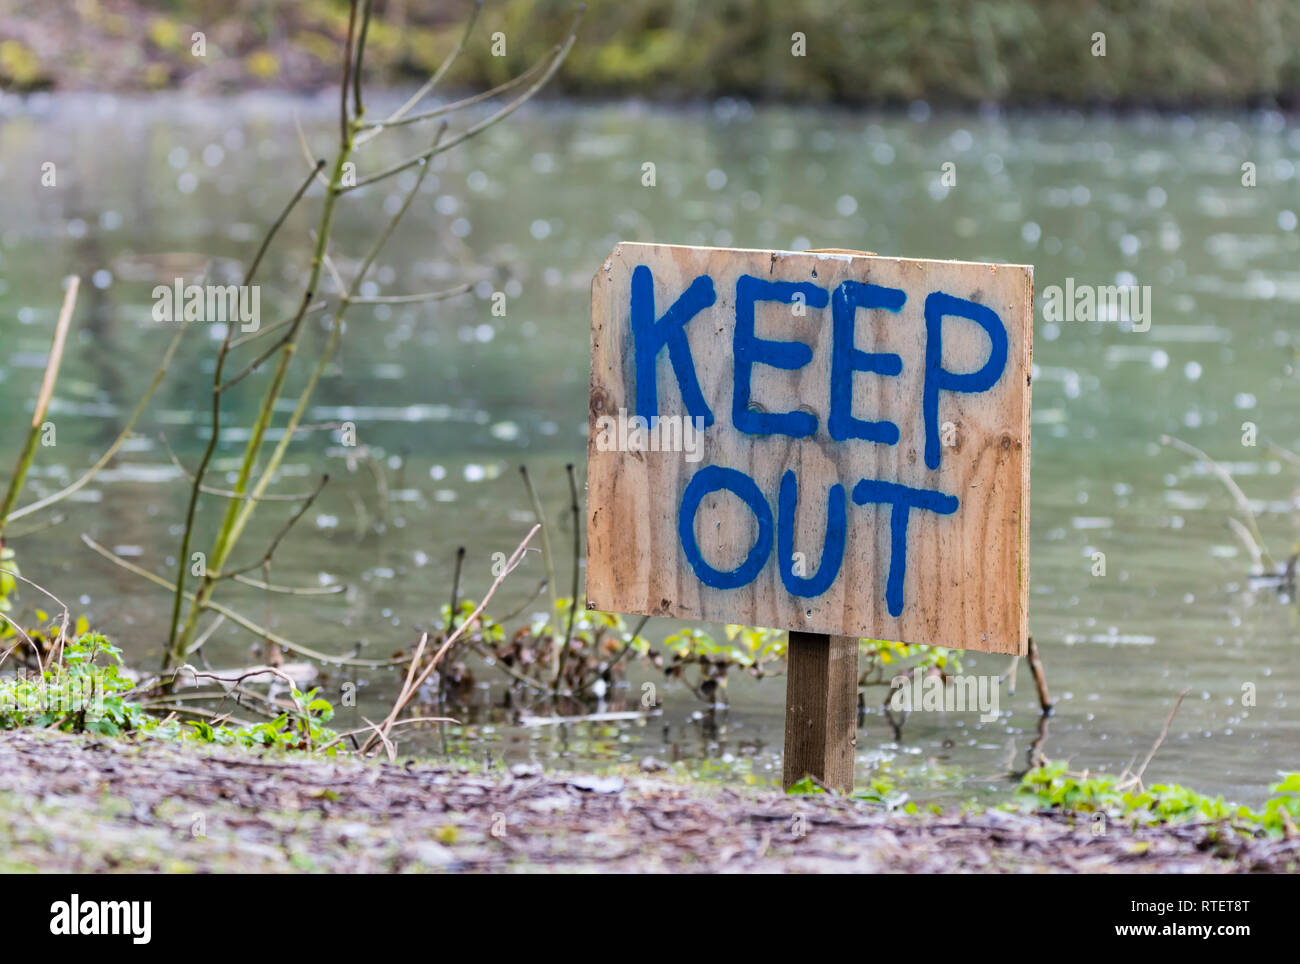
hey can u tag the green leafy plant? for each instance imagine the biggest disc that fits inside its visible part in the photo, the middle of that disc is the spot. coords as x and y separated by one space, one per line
703 663
84 687
81 691
1054 788
303 730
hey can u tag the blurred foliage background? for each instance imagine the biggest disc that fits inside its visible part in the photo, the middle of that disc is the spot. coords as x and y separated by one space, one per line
1158 52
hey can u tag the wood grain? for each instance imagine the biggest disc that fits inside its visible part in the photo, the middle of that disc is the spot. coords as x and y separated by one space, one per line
821 710
967 574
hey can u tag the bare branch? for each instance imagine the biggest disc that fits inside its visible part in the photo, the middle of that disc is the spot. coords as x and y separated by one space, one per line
275 542
239 620
253 336
292 590
412 299
226 493
279 222
51 375
347 71
450 108
357 107
1243 504
482 125
409 689
117 442
441 72
312 162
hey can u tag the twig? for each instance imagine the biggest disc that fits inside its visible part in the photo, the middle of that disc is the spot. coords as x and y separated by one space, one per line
313 163
52 364
275 542
1136 778
412 299
605 667
278 223
1040 677
347 70
482 125
49 523
455 588
67 617
577 559
1247 540
547 559
226 493
464 102
1010 675
412 719
409 690
358 109
255 364
175 646
445 66
1243 504
23 637
541 587
117 442
290 590
1286 454
492 660
382 736
267 329
206 634
214 716
239 620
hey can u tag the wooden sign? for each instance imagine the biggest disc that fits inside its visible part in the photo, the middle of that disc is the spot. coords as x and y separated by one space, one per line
824 442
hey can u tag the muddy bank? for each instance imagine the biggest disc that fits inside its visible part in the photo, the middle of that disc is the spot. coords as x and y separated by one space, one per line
74 804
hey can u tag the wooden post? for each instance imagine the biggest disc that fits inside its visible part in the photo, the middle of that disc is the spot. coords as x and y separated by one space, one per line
821 703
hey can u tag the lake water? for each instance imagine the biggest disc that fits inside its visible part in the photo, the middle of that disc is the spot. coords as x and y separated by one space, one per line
449 399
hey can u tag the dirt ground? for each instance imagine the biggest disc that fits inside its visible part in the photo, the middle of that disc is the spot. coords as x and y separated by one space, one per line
77 804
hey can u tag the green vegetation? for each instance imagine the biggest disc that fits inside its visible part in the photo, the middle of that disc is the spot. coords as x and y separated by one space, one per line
891 51
900 50
1054 788
82 687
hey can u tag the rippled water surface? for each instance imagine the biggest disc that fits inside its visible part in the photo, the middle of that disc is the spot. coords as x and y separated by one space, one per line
447 400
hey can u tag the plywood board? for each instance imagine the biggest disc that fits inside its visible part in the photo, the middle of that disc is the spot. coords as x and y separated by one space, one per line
870 410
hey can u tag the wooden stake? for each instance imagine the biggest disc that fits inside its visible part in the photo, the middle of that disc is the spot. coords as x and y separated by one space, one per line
1040 678
821 698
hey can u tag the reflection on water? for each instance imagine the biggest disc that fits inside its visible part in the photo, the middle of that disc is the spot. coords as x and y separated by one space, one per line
446 400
